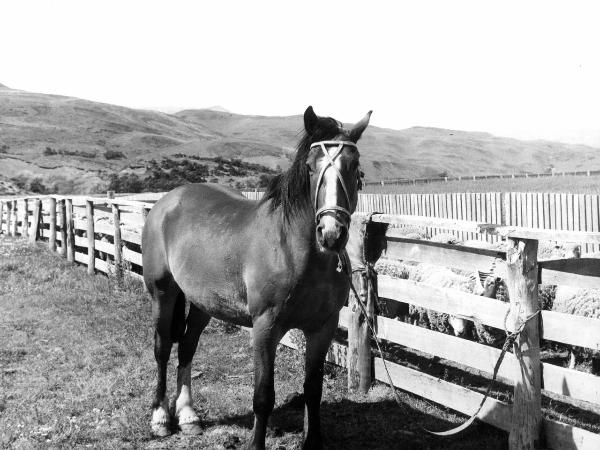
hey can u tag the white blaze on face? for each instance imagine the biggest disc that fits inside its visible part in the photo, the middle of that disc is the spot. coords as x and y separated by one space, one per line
330 184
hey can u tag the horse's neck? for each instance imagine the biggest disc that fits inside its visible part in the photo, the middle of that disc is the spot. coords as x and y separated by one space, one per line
296 234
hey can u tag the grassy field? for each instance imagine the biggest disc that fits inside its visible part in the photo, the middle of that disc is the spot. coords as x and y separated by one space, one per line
574 184
77 371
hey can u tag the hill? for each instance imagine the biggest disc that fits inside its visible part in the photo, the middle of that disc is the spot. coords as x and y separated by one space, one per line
79 143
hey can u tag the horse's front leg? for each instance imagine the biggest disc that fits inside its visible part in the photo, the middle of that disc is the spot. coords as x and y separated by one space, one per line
265 336
317 345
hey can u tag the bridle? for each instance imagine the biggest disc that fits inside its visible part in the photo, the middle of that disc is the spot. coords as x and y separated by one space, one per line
331 157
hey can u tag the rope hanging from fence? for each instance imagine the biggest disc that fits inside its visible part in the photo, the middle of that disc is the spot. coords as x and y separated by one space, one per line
368 271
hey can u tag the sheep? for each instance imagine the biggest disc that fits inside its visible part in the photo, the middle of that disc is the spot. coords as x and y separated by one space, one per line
434 275
580 302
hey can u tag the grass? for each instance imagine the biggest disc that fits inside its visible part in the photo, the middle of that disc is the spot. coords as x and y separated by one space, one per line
77 371
574 184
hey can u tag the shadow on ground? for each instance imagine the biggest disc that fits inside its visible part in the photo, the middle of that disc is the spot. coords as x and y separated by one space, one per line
382 425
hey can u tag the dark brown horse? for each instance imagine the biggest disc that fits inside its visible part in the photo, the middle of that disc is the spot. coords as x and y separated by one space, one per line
271 265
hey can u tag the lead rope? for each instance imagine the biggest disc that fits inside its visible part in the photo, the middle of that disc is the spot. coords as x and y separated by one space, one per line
510 339
368 272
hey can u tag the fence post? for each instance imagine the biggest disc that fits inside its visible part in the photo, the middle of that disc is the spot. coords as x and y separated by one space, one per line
1 216
35 221
70 231
63 227
14 218
118 243
52 238
144 212
89 213
25 222
360 360
522 276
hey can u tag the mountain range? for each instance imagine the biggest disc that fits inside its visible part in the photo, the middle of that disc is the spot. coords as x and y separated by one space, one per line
58 137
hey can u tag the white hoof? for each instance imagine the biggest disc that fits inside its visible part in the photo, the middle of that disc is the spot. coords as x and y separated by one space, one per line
188 421
161 422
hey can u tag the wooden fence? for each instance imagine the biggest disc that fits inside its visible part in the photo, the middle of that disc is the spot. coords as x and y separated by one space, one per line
84 228
548 211
396 181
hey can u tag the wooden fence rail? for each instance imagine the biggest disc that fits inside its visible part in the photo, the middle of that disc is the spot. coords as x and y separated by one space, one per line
104 234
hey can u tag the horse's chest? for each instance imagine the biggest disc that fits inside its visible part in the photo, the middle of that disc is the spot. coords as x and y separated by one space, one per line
312 305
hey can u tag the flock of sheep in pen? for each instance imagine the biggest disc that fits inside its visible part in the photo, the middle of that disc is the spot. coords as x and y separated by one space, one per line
563 299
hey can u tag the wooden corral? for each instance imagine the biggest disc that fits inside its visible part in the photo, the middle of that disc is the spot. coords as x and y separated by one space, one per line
83 222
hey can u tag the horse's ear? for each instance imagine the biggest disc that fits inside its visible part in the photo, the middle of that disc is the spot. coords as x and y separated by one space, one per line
310 120
360 126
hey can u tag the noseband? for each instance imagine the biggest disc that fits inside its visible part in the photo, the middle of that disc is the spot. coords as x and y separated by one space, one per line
331 157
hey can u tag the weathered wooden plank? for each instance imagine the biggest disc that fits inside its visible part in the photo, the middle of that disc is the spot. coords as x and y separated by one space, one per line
118 243
89 214
571 383
561 436
460 399
52 235
462 351
522 271
571 329
25 219
131 256
126 235
70 231
105 247
559 380
588 220
579 272
62 214
564 220
35 222
546 210
452 301
538 234
570 212
448 224
14 219
458 256
359 341
81 258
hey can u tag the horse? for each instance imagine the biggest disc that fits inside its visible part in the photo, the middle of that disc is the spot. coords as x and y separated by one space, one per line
273 265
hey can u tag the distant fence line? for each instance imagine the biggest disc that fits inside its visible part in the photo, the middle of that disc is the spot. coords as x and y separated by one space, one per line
550 211
396 181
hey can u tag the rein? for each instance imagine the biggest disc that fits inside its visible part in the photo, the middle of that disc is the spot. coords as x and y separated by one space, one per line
331 157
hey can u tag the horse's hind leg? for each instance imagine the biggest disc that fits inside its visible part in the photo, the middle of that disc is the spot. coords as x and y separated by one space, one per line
187 419
167 311
317 344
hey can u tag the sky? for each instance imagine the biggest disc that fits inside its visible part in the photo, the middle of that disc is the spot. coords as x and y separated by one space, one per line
523 69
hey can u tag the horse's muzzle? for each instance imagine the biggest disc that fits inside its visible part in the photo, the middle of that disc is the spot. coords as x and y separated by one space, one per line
332 233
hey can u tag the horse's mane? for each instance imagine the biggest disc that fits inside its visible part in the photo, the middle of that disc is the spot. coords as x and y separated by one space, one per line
290 190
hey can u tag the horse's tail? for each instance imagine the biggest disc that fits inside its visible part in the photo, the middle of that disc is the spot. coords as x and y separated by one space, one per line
178 322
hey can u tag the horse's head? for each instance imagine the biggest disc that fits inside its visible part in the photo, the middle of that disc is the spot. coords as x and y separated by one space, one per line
335 176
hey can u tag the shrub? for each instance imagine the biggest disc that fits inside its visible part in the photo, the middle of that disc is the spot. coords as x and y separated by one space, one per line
49 151
113 154
37 186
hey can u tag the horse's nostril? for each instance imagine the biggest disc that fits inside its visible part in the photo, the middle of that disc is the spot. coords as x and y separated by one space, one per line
319 231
